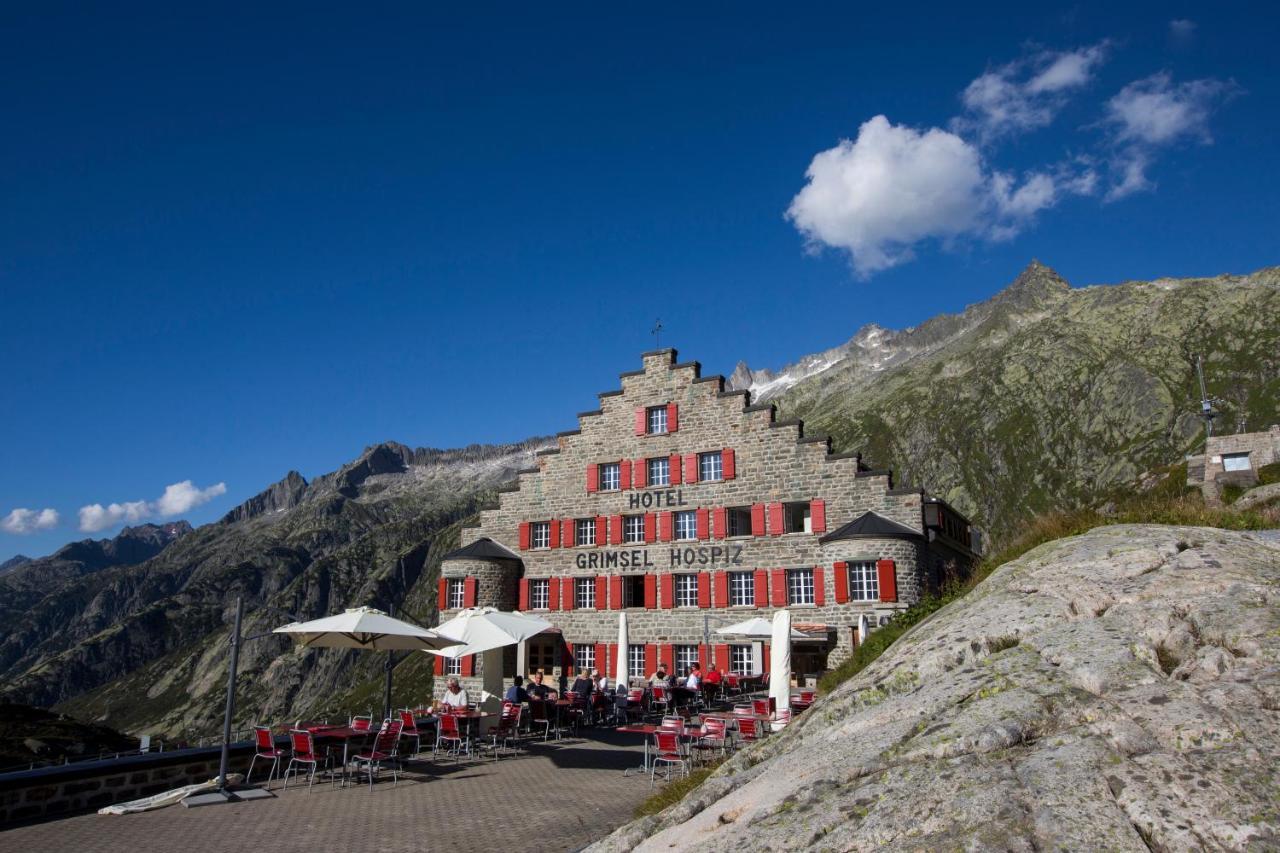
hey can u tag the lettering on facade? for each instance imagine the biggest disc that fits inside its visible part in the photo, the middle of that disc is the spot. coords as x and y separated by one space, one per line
660 498
639 559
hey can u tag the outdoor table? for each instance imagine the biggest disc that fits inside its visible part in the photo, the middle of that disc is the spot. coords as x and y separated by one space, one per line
647 729
472 719
346 734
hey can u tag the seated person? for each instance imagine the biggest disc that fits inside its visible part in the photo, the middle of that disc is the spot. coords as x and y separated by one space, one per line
454 696
516 692
602 681
694 681
539 690
659 677
714 676
583 686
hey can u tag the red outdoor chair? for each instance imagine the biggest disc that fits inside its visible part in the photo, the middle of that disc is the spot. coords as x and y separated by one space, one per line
304 754
362 723
714 736
782 719
749 729
265 748
383 751
507 730
667 750
448 732
659 700
763 707
409 729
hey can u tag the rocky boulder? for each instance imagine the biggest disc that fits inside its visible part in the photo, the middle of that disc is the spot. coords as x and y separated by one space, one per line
1118 690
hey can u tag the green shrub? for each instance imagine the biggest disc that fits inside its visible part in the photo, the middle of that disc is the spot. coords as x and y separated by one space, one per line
1269 474
675 791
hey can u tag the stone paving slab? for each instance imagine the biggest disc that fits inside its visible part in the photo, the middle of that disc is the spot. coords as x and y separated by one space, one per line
559 796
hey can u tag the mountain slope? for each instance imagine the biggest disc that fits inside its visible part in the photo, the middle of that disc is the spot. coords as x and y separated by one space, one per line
143 647
1044 396
1111 691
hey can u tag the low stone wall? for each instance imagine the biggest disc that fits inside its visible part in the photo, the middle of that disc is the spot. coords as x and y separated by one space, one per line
48 792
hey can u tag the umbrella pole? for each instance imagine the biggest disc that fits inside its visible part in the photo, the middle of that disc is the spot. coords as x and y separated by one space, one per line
386 696
231 697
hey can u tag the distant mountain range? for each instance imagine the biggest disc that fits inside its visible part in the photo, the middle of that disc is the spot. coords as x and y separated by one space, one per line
13 562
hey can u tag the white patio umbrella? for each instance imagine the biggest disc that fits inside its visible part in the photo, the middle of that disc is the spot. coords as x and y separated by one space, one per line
365 628
864 627
780 661
479 629
756 628
620 677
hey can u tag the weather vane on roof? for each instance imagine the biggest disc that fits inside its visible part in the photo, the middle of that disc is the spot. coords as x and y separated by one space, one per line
657 333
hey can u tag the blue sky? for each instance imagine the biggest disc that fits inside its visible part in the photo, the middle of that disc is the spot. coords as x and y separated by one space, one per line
240 242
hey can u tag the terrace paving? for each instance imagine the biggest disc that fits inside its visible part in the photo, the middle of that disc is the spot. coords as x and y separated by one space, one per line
561 795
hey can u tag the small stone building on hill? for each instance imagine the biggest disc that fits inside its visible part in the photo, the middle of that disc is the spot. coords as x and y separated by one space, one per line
1232 460
689 508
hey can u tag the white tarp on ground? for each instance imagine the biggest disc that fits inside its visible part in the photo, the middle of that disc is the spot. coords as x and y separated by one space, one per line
780 661
168 798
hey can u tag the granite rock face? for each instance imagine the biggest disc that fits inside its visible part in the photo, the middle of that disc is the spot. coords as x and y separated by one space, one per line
1118 690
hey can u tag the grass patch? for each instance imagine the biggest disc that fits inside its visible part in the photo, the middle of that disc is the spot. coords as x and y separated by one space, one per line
675 791
1269 474
1231 493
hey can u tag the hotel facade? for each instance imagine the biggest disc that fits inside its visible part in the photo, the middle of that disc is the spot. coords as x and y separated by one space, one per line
689 508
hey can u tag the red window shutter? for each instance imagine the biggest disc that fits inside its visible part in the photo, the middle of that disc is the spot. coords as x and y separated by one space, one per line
650 527
602 658
442 596
650 592
569 660
468 666
841 577
667 584
722 589
673 469
639 473
568 593
778 595
691 468
818 515
554 539
553 594
624 474
524 594
704 657
524 536
615 592
819 579
673 417
721 522
667 656
704 590
664 526
470 591
602 592
593 477
650 657
702 517
728 465
439 664
602 530
775 519
642 425
762 588
568 530
722 657
615 534
887 574
757 520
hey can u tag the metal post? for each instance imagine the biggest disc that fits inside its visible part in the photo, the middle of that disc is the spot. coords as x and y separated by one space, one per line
231 697
386 694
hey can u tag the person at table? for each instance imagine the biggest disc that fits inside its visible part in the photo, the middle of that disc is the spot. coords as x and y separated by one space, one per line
659 677
583 685
602 681
540 691
455 698
694 681
516 692
714 675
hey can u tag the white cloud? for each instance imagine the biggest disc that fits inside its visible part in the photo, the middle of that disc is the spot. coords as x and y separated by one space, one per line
1182 30
894 187
1027 93
1153 113
23 521
177 499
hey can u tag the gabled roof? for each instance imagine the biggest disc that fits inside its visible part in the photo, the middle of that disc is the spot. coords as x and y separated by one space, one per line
871 524
483 548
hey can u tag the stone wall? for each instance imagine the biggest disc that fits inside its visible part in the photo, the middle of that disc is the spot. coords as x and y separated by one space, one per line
1263 449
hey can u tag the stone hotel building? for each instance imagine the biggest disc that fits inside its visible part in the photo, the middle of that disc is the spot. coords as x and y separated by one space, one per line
688 508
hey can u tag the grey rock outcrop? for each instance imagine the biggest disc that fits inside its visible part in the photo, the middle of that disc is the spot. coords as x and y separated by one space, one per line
1118 690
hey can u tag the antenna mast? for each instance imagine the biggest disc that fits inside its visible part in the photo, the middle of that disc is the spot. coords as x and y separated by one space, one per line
657 333
1207 411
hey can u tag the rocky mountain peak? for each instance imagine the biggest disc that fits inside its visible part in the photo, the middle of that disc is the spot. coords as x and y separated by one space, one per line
279 496
13 562
1035 287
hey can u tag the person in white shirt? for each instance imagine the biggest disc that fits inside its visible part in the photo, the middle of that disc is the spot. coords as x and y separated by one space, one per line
602 681
694 681
454 695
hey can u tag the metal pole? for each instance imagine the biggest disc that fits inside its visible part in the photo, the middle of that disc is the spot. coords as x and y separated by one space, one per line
231 697
386 694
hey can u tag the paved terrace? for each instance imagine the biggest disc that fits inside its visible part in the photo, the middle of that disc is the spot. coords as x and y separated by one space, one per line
560 795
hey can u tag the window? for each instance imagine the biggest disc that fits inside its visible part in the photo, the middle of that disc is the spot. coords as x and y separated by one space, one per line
686 590
685 657
660 472
795 518
539 594
540 534
635 661
686 525
543 655
610 476
453 666
742 589
455 594
709 467
800 586
741 660
1235 462
864 583
584 531
584 657
655 419
739 520
584 593
633 591
633 528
